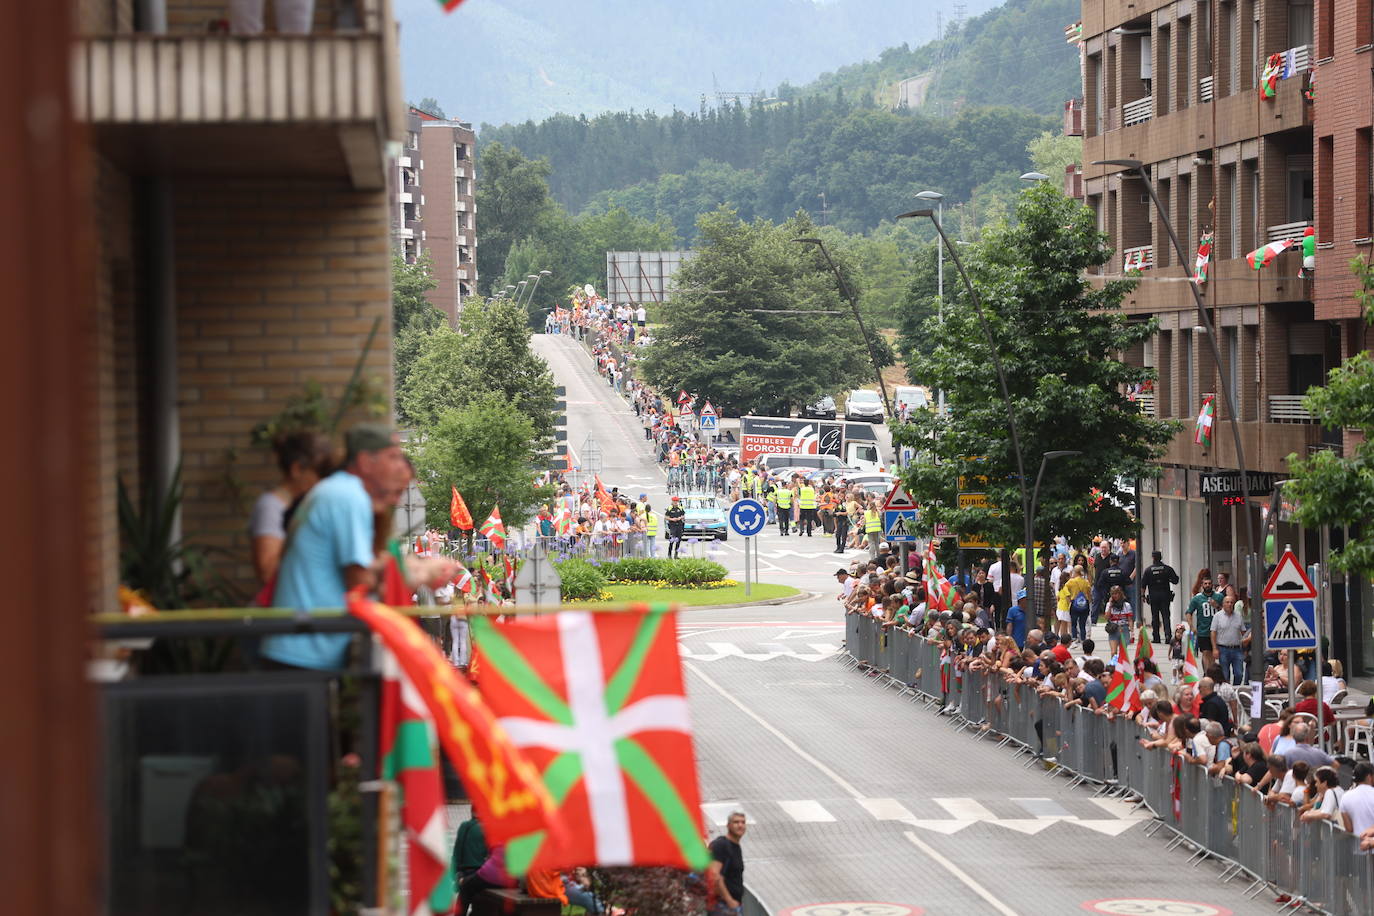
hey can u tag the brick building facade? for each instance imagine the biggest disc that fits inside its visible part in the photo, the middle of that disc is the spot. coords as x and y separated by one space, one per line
1176 85
242 243
436 206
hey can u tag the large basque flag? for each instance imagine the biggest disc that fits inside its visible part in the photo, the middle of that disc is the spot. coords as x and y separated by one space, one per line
596 702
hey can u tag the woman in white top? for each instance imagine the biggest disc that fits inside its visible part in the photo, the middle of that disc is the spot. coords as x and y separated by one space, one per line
1330 791
303 456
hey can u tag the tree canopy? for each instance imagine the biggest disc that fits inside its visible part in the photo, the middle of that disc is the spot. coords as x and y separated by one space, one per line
1059 340
512 198
720 340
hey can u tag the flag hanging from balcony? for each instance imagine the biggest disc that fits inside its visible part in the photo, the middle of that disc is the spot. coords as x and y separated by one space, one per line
1203 265
504 785
493 530
1310 92
1269 79
597 703
458 514
1202 430
1261 257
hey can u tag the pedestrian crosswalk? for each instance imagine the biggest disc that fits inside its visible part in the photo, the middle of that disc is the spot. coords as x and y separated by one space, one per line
947 816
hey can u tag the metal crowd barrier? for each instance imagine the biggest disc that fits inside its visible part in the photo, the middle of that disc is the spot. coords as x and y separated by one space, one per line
1318 863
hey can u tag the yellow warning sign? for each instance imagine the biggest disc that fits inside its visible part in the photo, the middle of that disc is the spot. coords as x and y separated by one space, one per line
973 501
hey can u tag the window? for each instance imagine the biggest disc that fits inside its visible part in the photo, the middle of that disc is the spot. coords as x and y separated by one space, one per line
1230 59
1185 67
412 139
1097 92
1230 338
1161 85
1163 251
1299 23
1326 201
1231 189
1256 58
1186 358
460 152
1299 189
1326 37
1252 174
1185 209
1364 212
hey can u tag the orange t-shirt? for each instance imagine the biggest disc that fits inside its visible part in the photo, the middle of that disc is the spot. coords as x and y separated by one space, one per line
547 884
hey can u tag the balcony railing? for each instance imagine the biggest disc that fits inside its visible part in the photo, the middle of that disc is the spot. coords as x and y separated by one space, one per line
1139 111
1141 258
1073 118
1147 404
1287 408
1288 231
1204 89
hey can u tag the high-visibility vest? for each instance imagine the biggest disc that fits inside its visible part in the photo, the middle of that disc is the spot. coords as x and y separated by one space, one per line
807 497
651 525
758 486
783 497
873 521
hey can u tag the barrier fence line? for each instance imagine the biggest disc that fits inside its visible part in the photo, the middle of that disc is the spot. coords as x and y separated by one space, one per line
1318 863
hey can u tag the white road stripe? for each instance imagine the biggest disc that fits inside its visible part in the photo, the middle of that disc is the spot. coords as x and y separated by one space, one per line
886 809
718 813
963 876
965 809
1044 807
806 811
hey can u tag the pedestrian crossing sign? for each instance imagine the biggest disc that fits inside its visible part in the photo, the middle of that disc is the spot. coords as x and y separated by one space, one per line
899 525
1290 623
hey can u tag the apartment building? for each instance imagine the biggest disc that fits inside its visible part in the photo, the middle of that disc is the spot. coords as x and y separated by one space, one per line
1177 86
435 210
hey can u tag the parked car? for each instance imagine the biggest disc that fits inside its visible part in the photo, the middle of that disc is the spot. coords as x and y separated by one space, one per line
913 396
705 517
823 409
863 404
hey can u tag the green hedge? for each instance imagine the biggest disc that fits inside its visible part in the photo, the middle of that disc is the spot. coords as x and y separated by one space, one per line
581 580
685 571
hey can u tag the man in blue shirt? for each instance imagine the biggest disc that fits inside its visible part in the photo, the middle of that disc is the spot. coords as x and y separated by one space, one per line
1016 620
329 547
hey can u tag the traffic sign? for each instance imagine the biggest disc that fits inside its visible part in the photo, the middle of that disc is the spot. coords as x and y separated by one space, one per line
970 501
747 517
708 410
1290 623
538 582
899 525
707 422
899 499
1289 580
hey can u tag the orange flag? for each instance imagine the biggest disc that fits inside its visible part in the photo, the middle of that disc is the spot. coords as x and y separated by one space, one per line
458 514
603 497
506 789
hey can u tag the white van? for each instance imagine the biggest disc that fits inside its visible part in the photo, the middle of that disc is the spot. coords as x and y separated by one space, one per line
913 396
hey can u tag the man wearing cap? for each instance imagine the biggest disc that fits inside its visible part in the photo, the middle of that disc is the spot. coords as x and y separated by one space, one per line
676 520
329 547
1016 620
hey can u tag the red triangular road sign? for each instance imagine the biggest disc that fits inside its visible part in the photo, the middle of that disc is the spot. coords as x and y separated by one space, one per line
899 498
1289 580
708 410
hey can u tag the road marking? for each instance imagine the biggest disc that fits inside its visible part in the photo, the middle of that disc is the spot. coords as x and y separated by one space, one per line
965 809
718 813
959 873
715 651
1045 807
850 788
887 809
806 811
1121 809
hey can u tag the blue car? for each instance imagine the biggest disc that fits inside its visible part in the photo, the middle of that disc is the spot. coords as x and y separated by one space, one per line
705 517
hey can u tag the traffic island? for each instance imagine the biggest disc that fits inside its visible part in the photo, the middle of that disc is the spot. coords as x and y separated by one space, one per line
726 594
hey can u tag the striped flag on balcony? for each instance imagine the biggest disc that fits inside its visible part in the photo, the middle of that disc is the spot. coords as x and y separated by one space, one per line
1202 266
1261 257
1269 79
1202 431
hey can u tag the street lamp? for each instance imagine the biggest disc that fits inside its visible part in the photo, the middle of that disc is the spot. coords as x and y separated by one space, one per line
853 298
1227 389
1035 176
1001 377
939 275
536 278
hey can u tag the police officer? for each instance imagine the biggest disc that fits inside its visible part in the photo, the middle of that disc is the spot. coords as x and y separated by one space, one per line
782 498
1158 582
841 514
806 501
676 518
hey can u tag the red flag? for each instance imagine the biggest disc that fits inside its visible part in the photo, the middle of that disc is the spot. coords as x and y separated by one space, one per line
603 497
493 530
505 788
395 591
597 702
458 514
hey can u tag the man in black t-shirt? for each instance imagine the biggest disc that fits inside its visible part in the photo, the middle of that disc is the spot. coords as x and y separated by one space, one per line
725 875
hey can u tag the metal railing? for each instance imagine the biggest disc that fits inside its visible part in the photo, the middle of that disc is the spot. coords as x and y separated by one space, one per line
1293 231
1139 258
1139 111
1204 89
1288 408
1147 404
1318 863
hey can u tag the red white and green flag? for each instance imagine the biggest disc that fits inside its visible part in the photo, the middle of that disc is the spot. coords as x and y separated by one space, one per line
1269 78
562 521
410 758
1203 264
1191 672
939 593
1261 257
450 5
1202 430
1123 692
1143 649
596 702
493 530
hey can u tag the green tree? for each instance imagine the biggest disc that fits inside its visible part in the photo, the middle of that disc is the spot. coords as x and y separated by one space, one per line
512 197
1058 339
484 449
1052 152
430 105
720 340
920 304
409 285
491 355
1329 488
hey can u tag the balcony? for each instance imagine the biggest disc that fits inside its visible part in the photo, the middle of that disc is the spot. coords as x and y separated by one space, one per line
1138 112
461 206
1073 118
1293 231
1073 181
1287 408
1204 88
1147 404
319 104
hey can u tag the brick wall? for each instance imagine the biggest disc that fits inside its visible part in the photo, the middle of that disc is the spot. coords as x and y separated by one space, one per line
278 284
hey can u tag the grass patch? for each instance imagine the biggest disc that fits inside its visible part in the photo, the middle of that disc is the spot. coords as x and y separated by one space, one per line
688 597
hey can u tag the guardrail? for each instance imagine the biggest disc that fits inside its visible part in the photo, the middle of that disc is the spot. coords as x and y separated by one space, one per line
1139 111
1318 863
1288 408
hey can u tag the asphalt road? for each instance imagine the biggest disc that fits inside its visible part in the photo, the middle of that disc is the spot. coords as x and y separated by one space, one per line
855 794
